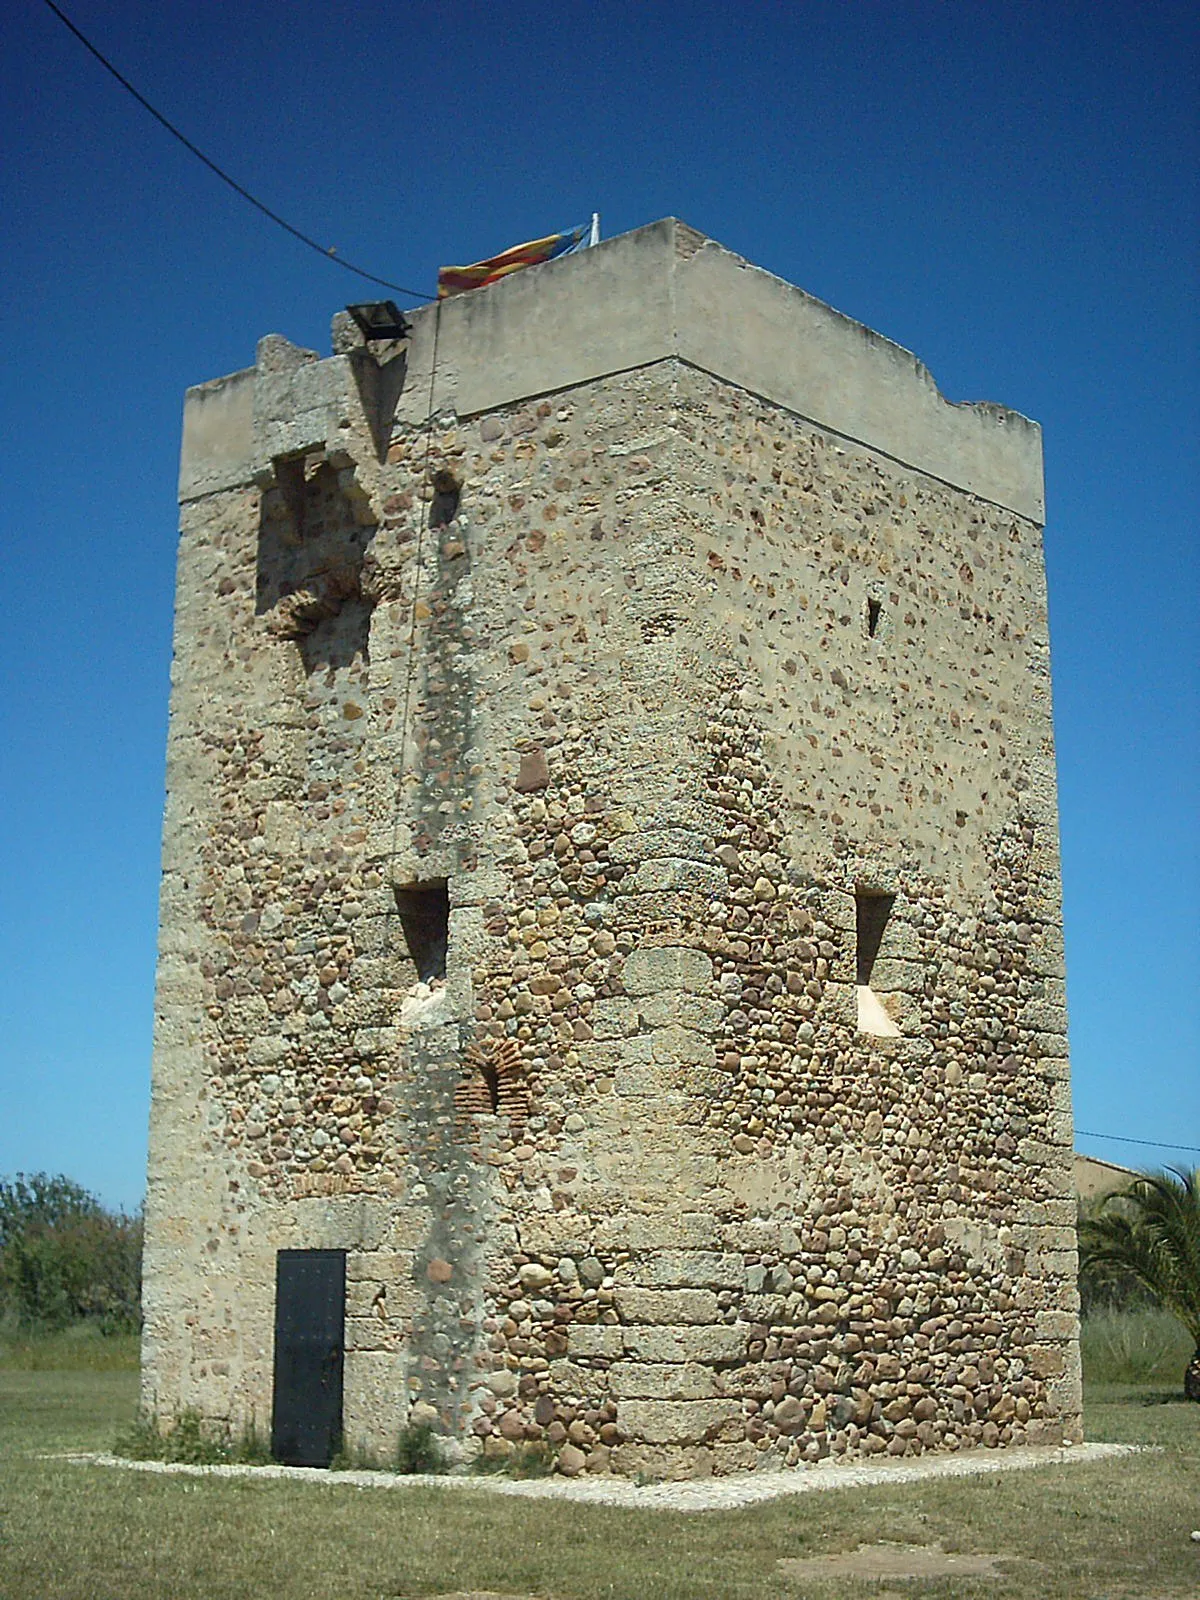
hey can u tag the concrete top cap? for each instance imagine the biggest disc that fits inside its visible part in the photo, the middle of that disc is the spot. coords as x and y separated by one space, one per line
659 293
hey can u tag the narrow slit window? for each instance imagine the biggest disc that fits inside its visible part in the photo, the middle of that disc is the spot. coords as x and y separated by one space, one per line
872 913
491 1079
874 612
424 910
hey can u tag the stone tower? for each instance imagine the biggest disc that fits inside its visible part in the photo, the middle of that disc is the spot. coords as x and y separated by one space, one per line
611 984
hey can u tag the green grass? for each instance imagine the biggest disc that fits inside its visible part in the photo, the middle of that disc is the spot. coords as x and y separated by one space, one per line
1114 1530
1147 1347
82 1348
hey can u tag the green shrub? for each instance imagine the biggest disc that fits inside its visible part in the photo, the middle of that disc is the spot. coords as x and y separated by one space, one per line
184 1440
64 1258
419 1449
355 1458
251 1448
40 1200
189 1440
142 1440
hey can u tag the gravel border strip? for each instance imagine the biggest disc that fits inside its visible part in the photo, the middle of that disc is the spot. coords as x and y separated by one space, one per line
705 1494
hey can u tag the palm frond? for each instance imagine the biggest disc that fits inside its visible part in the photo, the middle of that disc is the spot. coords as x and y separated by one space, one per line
1151 1231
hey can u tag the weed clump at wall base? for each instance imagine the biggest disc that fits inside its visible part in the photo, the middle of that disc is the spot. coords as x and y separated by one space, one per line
355 1458
189 1440
419 1449
533 1459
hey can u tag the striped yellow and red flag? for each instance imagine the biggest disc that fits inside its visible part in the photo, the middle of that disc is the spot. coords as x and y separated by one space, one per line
457 280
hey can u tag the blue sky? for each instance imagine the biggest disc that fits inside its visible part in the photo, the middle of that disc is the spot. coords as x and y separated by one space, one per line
1009 191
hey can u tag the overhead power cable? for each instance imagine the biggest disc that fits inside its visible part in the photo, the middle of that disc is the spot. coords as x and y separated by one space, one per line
329 254
1155 1144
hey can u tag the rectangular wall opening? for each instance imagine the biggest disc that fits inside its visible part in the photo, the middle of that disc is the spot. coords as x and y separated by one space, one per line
872 913
424 910
872 910
312 541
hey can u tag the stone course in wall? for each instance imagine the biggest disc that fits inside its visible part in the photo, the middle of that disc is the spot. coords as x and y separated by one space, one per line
660 678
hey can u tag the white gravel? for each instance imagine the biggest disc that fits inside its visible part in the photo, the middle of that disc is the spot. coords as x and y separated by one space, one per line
706 1494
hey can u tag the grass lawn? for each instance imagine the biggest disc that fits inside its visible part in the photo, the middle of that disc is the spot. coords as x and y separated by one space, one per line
1114 1530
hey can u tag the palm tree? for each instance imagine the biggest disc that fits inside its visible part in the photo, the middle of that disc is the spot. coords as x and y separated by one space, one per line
1151 1232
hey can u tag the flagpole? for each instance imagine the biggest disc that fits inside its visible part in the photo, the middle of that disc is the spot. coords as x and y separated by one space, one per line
594 234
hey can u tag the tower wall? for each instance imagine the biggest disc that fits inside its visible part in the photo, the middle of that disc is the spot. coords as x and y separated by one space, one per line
682 629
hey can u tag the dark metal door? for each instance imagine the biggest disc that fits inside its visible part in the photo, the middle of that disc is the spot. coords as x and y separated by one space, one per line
310 1319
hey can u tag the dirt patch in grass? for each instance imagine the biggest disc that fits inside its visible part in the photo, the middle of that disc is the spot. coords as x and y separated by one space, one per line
893 1561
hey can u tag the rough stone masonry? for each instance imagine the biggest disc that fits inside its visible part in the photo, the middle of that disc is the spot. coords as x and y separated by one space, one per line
611 885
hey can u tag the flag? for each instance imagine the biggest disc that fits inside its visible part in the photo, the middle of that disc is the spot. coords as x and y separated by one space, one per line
456 280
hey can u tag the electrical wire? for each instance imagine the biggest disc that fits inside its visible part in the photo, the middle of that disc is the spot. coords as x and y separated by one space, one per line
1155 1144
328 254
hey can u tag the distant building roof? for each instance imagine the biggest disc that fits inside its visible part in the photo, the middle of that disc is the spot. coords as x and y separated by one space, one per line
1095 1178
